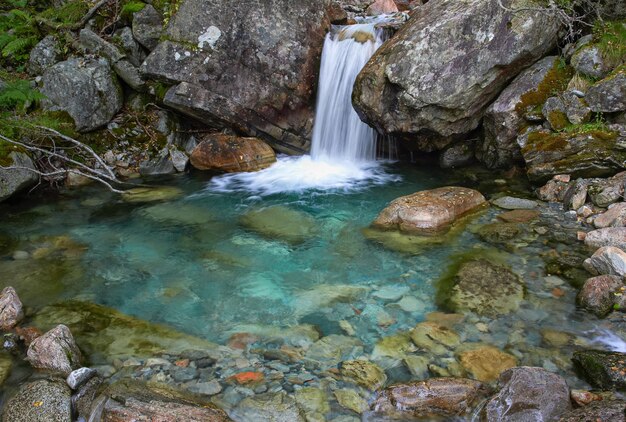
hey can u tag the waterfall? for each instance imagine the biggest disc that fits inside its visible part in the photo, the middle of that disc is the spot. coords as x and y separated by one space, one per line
343 150
338 133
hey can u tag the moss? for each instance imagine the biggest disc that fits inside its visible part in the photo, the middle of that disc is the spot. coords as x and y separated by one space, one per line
558 120
545 141
554 82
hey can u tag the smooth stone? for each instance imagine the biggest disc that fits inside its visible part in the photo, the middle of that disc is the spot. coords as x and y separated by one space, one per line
429 211
39 401
615 216
417 365
607 260
275 407
395 346
519 216
332 349
364 373
210 388
410 304
313 401
529 394
55 350
597 295
230 154
11 309
282 223
432 398
80 376
610 236
434 338
351 400
145 194
602 369
486 363
391 293
325 295
511 203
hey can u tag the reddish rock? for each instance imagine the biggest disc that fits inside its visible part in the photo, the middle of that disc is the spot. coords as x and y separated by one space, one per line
583 398
380 7
28 334
55 351
613 217
242 340
429 211
435 397
554 190
248 377
597 294
231 154
519 216
11 312
183 363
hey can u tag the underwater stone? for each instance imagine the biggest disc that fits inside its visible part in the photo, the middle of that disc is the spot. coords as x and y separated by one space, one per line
486 363
434 338
351 400
364 373
282 223
276 407
428 211
332 349
512 203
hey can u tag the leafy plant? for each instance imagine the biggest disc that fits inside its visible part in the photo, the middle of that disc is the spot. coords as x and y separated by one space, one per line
67 15
19 96
131 7
18 35
610 37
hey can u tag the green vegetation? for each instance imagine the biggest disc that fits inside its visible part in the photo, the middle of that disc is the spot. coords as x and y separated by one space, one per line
18 35
610 37
18 95
553 83
131 7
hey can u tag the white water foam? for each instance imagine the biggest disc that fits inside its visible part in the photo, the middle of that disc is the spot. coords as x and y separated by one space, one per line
609 339
343 152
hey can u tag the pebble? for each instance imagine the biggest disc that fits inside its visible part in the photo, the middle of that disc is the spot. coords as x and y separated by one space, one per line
157 362
184 374
20 255
210 388
347 327
391 293
410 304
80 376
482 327
131 362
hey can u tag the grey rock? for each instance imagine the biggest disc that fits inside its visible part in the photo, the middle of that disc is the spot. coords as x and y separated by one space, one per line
96 94
607 260
79 377
529 394
184 374
576 195
11 310
439 74
210 388
14 180
512 203
45 54
124 39
588 60
609 236
55 351
179 160
40 401
555 113
334 348
605 192
235 53
457 155
608 95
605 410
576 109
275 407
84 399
161 164
503 122
147 26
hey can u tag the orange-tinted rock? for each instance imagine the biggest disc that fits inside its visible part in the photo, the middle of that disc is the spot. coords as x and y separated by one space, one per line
232 154
486 363
183 363
429 211
380 7
519 216
28 334
242 340
248 377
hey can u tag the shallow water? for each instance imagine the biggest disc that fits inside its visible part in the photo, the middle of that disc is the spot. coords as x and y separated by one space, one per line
194 264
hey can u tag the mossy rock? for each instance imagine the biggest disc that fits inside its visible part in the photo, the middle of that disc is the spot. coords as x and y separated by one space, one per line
602 369
104 333
498 233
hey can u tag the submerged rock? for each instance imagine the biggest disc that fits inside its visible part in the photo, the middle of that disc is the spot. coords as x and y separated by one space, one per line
486 363
605 370
364 373
282 223
150 194
429 211
351 400
395 92
313 401
512 203
11 310
234 53
485 288
55 351
129 400
231 154
434 338
325 295
332 349
275 407
597 294
528 394
435 397
96 93
39 401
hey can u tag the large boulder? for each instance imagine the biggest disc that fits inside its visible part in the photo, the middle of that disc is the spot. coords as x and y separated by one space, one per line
40 401
87 89
608 95
441 71
429 211
505 117
433 398
529 394
483 287
237 48
45 54
11 311
22 176
226 153
605 370
55 351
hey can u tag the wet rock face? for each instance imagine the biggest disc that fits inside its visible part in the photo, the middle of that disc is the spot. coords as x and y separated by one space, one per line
13 181
470 48
597 294
429 211
528 393
242 46
231 154
96 94
40 401
485 288
503 121
55 351
435 397
597 411
11 310
605 370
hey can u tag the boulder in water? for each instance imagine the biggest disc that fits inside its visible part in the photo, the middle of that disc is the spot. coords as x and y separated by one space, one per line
55 351
40 401
282 223
15 180
605 370
429 211
11 310
435 397
597 294
529 394
439 74
226 153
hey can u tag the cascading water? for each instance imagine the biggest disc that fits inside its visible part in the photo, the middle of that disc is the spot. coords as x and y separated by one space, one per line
339 134
343 152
